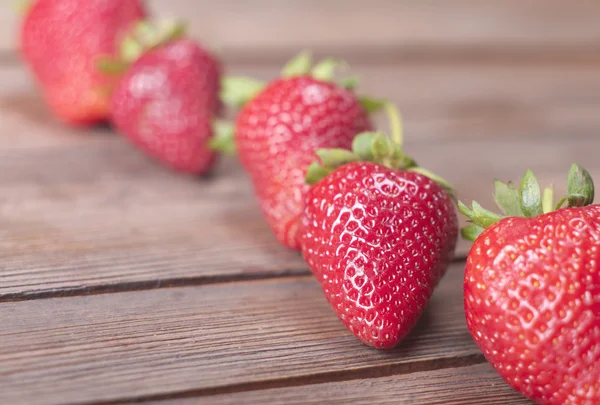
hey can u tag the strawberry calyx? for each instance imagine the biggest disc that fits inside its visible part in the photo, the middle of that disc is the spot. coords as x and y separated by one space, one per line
222 139
527 201
237 91
376 147
144 36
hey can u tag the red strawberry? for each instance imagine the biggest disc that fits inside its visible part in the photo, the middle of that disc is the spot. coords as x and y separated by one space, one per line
61 41
279 129
532 290
378 234
167 100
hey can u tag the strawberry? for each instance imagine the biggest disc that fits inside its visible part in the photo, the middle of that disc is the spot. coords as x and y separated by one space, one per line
167 100
532 289
61 41
280 126
378 232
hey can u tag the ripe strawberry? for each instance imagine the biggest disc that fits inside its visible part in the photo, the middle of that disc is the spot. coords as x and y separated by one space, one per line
532 289
61 40
279 128
378 233
167 100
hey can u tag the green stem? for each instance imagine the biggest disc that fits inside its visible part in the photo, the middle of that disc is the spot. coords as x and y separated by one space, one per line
395 123
548 200
560 203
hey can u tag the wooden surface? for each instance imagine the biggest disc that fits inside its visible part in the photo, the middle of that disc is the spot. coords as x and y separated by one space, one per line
232 334
469 385
425 28
121 282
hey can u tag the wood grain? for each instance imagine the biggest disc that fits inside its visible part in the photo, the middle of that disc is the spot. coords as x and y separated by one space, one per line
254 28
82 211
437 99
487 89
201 339
467 100
99 217
73 231
470 385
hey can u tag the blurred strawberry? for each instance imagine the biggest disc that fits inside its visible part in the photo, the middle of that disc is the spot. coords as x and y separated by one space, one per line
61 40
281 125
167 100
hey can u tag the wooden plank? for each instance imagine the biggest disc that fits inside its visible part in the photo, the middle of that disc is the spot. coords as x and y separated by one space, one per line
85 211
119 222
480 100
437 99
98 216
198 339
470 385
251 28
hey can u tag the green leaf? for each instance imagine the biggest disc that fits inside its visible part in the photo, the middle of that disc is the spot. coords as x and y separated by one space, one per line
441 181
362 145
580 187
130 49
382 147
238 90
223 138
325 70
530 196
465 210
471 232
148 34
349 83
483 217
576 200
335 157
299 65
371 105
316 172
111 66
408 163
507 198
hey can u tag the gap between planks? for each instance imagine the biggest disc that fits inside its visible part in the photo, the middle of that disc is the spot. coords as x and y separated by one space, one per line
407 56
167 283
330 377
198 341
125 253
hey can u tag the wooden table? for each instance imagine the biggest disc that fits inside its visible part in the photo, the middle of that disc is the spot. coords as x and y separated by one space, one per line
121 282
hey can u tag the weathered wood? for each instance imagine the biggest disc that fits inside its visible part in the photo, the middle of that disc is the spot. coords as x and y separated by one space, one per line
394 27
97 216
437 99
199 339
100 217
470 385
82 211
480 100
